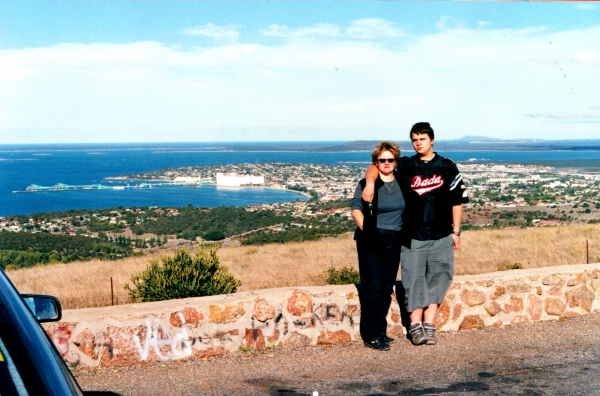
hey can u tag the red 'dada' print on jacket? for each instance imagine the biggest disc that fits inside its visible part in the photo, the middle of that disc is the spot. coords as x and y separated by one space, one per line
422 186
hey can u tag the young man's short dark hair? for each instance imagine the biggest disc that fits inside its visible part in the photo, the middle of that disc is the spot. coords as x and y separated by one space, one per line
422 127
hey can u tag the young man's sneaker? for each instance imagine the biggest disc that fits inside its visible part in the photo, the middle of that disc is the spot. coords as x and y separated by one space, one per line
417 334
378 344
430 333
387 339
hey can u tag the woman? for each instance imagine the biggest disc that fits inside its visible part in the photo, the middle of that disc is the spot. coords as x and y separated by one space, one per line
378 242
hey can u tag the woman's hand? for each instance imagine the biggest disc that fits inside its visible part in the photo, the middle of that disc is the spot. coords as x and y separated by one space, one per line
358 217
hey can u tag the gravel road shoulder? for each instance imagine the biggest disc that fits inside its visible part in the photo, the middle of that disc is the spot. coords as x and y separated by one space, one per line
543 358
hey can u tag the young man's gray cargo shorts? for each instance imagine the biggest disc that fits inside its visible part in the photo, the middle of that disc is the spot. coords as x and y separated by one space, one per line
427 271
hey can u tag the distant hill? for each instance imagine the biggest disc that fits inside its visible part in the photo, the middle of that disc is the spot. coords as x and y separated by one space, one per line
473 138
475 143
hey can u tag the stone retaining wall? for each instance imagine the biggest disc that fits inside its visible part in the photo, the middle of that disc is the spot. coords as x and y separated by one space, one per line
208 326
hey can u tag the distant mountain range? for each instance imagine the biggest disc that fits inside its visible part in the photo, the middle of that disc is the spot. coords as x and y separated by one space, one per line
475 143
465 143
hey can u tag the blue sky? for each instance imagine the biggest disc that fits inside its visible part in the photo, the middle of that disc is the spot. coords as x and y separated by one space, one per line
167 71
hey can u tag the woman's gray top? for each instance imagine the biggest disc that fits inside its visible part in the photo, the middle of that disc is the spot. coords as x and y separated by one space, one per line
390 205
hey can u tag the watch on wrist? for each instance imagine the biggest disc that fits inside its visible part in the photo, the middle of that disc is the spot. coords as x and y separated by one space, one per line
457 233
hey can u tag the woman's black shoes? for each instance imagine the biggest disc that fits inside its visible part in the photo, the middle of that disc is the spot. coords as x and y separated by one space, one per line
387 339
378 344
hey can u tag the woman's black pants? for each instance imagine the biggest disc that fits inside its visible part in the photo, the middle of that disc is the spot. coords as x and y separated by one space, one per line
378 262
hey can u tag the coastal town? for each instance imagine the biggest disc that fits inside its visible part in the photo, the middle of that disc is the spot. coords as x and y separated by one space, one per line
501 195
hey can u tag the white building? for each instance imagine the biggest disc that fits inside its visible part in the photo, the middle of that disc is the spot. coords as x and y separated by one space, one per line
234 180
185 179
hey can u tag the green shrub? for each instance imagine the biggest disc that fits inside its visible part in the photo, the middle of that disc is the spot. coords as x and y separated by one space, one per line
344 276
214 235
182 276
506 266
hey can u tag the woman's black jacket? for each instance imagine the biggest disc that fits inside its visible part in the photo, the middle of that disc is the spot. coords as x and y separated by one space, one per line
369 230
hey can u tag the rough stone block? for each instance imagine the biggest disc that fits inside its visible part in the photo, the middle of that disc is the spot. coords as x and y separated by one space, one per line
554 306
579 279
120 348
273 338
229 314
86 342
473 297
519 288
333 337
534 307
253 338
305 323
555 290
186 315
485 283
515 305
395 331
471 322
569 314
328 312
580 297
295 339
519 319
226 335
493 308
263 311
299 303
553 280
443 313
60 334
395 315
456 311
353 310
499 291
210 352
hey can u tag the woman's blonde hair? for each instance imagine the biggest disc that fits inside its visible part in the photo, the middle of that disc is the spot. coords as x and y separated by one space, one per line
386 146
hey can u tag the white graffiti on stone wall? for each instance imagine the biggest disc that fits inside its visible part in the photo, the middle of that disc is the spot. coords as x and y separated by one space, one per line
164 345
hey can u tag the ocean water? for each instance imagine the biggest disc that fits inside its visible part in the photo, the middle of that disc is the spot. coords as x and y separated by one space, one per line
21 166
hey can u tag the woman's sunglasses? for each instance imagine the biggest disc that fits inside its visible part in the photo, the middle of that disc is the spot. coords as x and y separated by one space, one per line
384 160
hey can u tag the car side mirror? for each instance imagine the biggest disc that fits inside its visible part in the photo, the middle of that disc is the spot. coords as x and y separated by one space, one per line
45 308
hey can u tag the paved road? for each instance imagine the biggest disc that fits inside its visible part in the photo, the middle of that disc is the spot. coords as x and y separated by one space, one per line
544 358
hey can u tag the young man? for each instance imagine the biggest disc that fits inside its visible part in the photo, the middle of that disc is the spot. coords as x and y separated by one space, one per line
433 230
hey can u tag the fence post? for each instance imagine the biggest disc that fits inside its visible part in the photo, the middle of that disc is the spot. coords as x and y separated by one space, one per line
112 294
587 250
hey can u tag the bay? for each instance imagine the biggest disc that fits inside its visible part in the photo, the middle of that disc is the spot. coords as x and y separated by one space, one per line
47 165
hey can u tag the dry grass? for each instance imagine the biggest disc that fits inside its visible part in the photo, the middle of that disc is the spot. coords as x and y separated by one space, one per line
291 264
80 284
487 251
87 284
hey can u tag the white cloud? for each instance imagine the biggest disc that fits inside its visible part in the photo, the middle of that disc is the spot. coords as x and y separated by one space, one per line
592 57
493 82
372 28
361 29
586 6
318 30
448 22
210 30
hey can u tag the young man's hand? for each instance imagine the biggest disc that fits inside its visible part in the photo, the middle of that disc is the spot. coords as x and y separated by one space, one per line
457 212
368 192
456 239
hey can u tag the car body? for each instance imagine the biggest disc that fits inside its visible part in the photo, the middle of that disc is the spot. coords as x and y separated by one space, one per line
30 364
